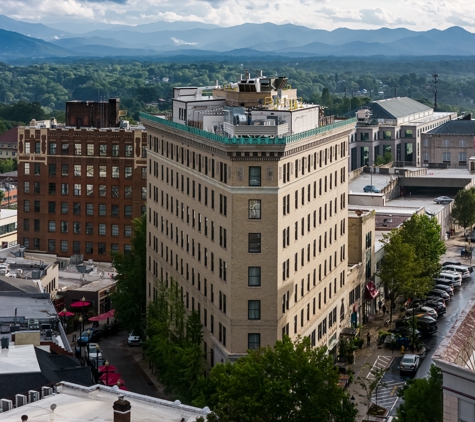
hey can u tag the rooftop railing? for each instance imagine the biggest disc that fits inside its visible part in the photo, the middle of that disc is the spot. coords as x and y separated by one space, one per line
263 140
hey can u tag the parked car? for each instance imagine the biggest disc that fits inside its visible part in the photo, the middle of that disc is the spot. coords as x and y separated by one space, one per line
462 270
404 330
371 188
439 307
468 267
455 279
448 289
93 352
422 310
409 363
425 324
439 293
93 337
134 339
447 283
443 200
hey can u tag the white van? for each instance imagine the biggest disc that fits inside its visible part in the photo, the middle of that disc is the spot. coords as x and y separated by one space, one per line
464 272
454 280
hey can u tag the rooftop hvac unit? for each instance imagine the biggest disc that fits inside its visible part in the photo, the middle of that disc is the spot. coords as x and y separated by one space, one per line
46 391
6 405
33 396
20 400
5 341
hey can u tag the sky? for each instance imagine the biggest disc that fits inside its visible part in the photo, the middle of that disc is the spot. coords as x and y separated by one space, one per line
319 14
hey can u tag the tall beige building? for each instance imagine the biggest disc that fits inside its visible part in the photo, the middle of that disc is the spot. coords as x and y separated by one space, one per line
247 212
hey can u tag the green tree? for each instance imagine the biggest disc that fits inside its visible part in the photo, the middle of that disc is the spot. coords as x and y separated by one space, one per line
423 399
289 382
130 296
424 234
399 264
463 210
8 164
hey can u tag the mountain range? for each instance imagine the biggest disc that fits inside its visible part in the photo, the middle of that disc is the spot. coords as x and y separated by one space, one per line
34 40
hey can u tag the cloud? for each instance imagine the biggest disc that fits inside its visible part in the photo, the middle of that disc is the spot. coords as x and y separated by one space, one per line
106 1
176 41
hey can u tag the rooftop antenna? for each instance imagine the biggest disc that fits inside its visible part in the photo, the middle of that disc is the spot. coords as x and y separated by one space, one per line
435 83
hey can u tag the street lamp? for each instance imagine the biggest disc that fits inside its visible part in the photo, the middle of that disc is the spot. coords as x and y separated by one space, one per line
87 345
107 372
97 361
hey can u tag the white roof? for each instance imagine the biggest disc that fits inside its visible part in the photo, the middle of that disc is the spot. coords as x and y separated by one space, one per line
80 404
18 359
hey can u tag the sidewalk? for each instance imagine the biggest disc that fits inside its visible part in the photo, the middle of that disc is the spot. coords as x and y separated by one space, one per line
381 356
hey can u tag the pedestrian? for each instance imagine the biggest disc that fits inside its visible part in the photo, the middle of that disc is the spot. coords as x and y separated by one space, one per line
380 304
384 310
368 338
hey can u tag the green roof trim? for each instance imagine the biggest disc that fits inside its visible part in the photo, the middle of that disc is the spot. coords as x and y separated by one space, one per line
264 140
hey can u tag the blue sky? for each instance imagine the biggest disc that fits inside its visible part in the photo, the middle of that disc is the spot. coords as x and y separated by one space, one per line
321 14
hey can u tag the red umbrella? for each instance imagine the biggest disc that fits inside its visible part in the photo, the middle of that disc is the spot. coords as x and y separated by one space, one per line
109 368
111 378
123 387
64 313
80 304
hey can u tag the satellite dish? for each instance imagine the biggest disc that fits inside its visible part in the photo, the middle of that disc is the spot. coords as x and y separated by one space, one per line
53 406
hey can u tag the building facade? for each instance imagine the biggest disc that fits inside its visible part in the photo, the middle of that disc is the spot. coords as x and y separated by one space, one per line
80 188
394 126
247 212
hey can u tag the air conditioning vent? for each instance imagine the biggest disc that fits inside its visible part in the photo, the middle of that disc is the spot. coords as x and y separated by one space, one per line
20 400
33 396
46 391
6 405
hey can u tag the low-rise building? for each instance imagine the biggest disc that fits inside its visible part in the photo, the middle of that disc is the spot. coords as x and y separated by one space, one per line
8 228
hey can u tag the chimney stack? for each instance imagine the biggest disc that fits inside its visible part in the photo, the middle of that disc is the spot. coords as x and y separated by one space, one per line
121 410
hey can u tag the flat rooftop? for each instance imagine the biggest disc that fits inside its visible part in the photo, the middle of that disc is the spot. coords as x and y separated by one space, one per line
95 403
18 359
28 305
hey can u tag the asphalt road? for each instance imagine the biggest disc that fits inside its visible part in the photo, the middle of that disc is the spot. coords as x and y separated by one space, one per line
458 303
120 355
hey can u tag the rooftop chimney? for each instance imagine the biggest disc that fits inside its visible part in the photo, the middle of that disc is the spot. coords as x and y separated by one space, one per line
121 410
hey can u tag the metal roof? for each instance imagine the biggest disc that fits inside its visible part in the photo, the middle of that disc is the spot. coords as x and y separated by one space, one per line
396 108
455 127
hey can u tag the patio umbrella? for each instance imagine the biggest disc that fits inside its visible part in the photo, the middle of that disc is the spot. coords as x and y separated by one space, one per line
109 368
65 314
123 387
111 378
80 304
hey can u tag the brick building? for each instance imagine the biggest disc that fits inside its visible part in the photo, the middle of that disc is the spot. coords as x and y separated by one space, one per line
79 189
247 212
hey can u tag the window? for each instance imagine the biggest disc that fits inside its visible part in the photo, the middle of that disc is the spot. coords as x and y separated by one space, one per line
27 147
37 169
115 191
37 206
64 207
64 169
37 148
64 226
144 192
254 176
462 158
76 227
77 170
254 243
77 189
102 190
101 247
102 229
128 210
64 189
51 245
27 168
89 190
462 143
89 228
127 231
77 208
26 187
77 149
129 150
90 149
446 157
114 247
408 133
446 143
36 187
114 210
115 150
128 192
386 134
102 209
52 207
254 276
102 150
115 230
90 171
52 169
102 171
52 188
64 149
254 309
115 172
76 246
253 341
128 172
64 246
52 148
255 209
89 248
51 226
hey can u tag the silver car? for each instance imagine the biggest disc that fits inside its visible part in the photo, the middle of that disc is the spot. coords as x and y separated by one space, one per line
409 363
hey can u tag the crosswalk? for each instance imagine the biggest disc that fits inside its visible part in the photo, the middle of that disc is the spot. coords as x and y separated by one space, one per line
386 393
380 363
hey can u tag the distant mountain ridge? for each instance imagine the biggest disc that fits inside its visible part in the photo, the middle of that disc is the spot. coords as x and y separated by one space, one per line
195 38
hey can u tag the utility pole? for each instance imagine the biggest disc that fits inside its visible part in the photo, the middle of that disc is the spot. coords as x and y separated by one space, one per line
435 82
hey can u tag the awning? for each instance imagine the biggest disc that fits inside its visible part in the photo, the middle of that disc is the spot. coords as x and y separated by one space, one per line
370 291
102 317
